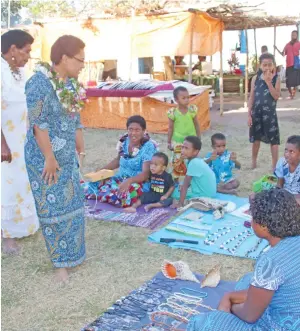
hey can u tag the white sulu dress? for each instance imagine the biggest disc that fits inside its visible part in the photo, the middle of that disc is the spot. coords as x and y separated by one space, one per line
18 214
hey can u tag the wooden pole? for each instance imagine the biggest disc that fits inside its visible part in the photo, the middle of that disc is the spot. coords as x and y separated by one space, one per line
246 70
255 44
191 50
274 40
221 77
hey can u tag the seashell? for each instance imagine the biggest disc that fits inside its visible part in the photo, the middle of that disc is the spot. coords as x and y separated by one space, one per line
178 270
212 278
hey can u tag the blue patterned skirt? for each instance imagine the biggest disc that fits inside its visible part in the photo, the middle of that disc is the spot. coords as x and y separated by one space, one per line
65 239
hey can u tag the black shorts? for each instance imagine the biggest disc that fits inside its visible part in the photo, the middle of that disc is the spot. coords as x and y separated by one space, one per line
151 197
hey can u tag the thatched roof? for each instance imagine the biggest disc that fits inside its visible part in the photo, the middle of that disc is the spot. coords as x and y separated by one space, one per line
248 17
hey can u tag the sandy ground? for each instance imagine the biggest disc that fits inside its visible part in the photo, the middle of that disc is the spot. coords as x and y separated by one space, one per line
119 258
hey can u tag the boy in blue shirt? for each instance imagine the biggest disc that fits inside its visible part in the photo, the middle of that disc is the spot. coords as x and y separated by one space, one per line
221 161
200 180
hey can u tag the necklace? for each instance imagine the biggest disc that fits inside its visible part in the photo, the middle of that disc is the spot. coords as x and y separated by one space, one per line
212 238
15 71
240 234
71 97
254 248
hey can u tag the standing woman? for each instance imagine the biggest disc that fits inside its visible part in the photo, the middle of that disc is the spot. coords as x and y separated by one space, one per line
262 116
54 99
18 215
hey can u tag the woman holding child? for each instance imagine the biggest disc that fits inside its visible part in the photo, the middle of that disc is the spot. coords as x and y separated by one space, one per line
135 151
270 301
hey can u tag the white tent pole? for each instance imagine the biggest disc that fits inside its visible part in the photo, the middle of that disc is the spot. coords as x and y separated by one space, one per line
246 70
221 77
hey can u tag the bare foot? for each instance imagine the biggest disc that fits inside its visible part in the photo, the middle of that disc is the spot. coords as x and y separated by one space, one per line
148 208
130 210
10 246
61 275
254 165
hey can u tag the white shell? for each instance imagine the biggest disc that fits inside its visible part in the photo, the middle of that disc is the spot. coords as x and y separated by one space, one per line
183 271
212 278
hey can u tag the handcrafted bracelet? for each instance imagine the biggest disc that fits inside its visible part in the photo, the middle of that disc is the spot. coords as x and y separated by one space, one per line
200 293
82 153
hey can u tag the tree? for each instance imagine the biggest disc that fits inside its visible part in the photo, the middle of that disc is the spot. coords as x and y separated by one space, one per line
15 7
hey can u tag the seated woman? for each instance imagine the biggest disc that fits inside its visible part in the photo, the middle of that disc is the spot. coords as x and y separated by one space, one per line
271 301
135 151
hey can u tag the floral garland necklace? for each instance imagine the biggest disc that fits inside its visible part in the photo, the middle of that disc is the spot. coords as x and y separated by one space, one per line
72 96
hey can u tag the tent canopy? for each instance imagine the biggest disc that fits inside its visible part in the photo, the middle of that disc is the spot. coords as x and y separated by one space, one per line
141 36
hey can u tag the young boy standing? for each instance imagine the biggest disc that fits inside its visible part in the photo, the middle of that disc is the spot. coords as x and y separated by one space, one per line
161 186
221 161
200 180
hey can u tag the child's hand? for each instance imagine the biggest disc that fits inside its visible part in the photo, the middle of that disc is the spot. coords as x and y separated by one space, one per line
233 157
214 155
268 76
164 197
175 205
170 147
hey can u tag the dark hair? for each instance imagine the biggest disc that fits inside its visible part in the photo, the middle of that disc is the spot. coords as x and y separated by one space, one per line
195 141
217 136
19 38
294 140
178 90
162 156
138 120
278 210
295 31
267 56
264 48
66 45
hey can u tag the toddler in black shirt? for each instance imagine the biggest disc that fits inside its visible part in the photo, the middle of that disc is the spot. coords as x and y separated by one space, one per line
161 186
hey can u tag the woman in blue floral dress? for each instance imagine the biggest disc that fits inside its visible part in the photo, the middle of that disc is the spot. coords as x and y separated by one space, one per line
271 302
135 151
53 137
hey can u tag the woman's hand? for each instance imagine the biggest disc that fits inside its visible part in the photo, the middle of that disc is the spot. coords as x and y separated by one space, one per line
124 187
5 153
225 304
50 170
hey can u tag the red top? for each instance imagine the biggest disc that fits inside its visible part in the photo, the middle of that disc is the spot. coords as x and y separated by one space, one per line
290 51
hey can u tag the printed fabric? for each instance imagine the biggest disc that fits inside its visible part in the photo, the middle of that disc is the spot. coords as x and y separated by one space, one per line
222 166
291 179
60 207
18 214
264 117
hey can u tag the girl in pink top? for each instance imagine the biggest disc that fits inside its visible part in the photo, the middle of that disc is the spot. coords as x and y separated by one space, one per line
292 51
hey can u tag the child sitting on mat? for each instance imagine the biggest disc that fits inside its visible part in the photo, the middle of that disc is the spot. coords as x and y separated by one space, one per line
288 167
200 180
161 186
221 161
